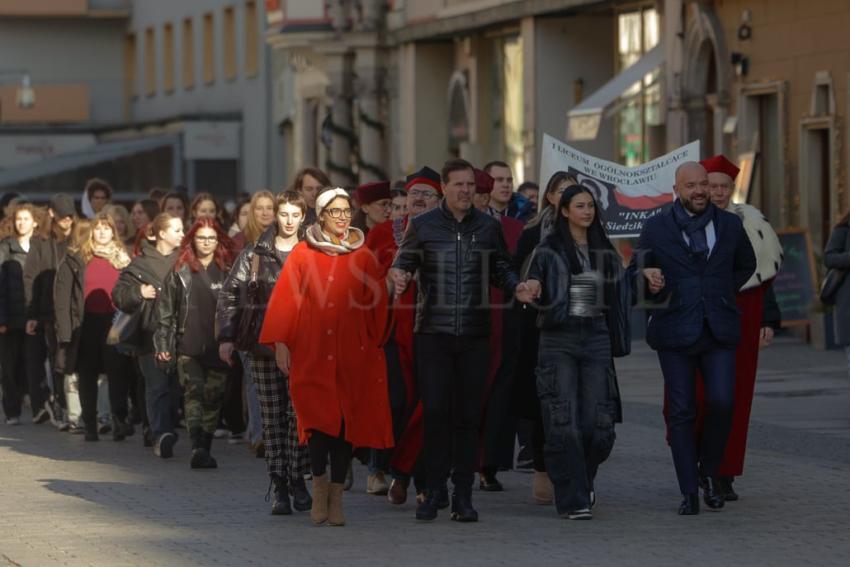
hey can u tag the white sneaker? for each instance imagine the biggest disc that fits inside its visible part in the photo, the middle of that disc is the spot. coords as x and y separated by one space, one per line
13 421
583 514
221 433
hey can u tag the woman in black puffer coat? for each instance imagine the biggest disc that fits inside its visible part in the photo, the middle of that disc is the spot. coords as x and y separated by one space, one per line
138 288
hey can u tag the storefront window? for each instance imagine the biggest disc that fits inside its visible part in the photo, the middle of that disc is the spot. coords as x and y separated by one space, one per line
640 106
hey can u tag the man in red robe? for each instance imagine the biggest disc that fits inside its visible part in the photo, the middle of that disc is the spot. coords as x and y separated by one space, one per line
423 194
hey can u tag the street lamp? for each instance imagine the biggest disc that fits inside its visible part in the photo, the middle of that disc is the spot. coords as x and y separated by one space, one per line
25 95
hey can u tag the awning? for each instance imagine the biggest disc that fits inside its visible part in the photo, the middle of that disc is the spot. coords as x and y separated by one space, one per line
583 121
70 161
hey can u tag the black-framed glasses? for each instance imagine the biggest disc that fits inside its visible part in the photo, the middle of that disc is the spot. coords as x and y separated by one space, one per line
206 239
423 194
339 213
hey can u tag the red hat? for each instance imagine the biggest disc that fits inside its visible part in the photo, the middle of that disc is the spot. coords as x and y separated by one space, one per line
719 164
371 192
426 176
483 181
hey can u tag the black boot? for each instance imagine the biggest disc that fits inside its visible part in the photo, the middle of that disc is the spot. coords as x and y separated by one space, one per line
301 499
118 429
462 510
712 495
91 429
201 458
280 504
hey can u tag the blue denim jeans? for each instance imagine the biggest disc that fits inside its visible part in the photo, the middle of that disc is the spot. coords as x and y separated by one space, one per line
254 432
573 384
162 393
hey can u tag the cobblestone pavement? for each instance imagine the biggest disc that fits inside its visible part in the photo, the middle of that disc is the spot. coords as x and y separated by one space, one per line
65 502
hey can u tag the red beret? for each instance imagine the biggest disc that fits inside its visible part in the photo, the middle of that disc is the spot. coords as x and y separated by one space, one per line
719 164
371 192
426 176
483 181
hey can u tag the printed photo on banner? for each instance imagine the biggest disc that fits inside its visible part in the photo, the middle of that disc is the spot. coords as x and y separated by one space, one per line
626 196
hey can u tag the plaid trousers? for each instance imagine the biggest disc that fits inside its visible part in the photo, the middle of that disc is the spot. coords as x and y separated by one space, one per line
284 456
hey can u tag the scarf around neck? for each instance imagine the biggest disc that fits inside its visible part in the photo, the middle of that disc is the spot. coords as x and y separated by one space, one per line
332 246
694 226
112 253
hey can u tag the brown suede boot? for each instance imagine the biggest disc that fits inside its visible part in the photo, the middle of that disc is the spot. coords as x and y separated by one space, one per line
319 510
541 488
335 517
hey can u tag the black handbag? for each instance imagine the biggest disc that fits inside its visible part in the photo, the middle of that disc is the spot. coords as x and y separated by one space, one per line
831 284
251 316
126 331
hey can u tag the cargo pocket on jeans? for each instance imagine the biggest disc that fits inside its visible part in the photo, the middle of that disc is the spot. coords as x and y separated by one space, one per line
556 423
604 436
546 382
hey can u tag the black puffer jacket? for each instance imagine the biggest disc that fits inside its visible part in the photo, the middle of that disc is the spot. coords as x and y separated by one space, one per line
234 292
149 267
39 274
455 261
13 313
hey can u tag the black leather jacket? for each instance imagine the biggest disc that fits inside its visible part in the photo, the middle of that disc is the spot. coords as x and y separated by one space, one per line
233 294
550 265
456 261
172 309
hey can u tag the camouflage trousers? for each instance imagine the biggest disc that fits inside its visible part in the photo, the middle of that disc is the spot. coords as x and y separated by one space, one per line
203 393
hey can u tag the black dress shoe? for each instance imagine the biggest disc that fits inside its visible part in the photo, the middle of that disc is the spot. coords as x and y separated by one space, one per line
489 483
689 505
712 495
426 511
729 493
462 510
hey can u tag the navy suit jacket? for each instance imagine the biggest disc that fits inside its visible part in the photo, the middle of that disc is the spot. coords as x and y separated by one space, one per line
698 291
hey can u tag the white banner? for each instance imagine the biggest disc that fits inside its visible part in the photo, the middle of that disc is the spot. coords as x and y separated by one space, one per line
626 196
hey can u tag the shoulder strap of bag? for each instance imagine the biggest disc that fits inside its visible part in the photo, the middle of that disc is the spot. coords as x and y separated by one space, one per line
255 267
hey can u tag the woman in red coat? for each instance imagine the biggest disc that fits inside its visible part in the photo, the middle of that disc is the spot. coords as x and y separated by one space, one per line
327 318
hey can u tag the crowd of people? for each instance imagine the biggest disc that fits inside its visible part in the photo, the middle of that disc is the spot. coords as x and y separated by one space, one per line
418 328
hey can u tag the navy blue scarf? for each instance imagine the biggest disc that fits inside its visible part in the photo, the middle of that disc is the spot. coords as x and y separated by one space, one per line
694 226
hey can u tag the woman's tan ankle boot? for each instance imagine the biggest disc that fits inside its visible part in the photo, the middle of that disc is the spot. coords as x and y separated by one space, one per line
319 511
335 517
541 488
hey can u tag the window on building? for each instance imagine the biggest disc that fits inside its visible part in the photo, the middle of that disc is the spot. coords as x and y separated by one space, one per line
187 49
229 43
638 31
168 58
130 87
252 33
150 62
209 49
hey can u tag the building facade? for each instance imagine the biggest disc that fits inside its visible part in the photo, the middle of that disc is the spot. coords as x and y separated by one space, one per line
160 94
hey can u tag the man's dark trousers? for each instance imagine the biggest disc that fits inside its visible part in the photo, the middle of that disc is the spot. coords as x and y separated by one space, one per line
717 364
452 372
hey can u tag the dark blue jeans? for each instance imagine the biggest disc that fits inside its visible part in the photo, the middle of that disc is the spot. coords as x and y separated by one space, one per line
716 362
162 395
573 384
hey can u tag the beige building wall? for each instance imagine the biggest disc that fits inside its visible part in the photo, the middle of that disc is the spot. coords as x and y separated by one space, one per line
794 45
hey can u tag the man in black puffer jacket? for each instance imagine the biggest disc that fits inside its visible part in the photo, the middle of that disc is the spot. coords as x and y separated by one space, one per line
457 251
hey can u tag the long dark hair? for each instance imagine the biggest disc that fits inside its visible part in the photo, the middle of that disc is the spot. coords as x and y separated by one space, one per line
598 244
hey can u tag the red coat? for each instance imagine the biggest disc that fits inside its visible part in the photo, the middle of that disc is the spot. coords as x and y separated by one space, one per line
331 311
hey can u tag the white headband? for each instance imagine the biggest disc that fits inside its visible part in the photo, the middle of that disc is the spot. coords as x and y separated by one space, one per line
325 198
